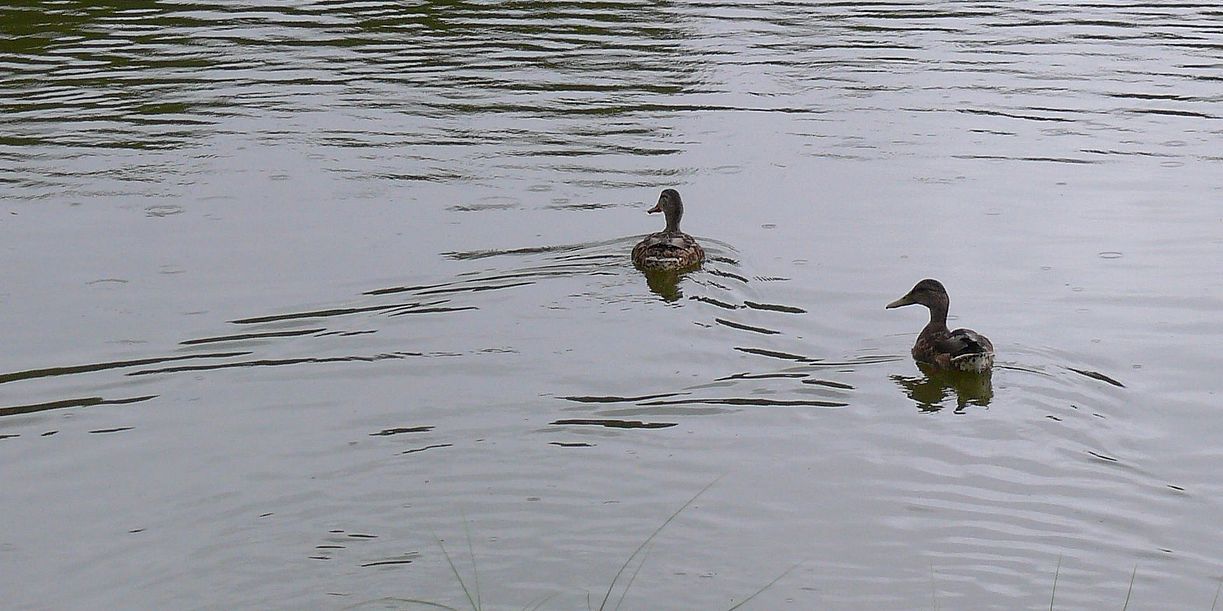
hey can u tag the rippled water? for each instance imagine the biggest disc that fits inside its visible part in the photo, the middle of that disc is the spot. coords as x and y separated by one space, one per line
296 295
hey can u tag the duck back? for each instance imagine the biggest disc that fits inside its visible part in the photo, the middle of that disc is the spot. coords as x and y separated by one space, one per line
669 251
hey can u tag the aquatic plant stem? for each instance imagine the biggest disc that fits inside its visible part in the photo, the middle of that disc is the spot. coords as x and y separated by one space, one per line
475 574
1056 572
933 588
623 567
632 578
455 570
542 602
414 601
1131 590
766 586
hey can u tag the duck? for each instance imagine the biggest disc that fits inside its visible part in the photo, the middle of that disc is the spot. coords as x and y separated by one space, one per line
960 350
669 249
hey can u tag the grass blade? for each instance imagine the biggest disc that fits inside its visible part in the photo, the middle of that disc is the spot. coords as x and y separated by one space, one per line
455 570
766 586
1217 590
1131 590
475 575
623 567
542 602
632 578
414 601
1056 572
933 589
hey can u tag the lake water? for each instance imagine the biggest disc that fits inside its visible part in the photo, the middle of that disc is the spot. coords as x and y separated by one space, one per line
300 302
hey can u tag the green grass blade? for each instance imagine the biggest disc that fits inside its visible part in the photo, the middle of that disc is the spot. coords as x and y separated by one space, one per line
1131 590
1056 572
455 570
623 567
631 579
542 601
475 575
392 599
766 586
933 589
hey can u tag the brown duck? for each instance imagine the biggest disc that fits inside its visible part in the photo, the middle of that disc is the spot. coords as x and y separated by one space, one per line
669 249
962 349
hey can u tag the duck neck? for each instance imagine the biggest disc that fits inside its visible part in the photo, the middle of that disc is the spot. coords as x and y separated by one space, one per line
938 318
673 215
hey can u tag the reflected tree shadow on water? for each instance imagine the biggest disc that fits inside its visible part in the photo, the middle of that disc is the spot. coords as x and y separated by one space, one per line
934 387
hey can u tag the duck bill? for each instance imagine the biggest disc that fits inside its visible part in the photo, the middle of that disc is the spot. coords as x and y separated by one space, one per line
657 208
903 301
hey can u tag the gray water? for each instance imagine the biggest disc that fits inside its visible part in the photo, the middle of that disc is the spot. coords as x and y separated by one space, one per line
300 302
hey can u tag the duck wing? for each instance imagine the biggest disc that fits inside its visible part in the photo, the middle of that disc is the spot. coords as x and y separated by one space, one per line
668 251
965 341
664 241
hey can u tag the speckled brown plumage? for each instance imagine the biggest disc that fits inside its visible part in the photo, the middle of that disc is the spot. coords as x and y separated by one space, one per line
961 349
669 249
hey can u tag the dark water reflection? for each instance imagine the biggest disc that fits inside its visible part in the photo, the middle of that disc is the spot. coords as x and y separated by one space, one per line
292 291
934 387
664 283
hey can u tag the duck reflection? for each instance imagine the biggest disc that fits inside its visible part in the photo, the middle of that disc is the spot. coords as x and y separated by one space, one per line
664 283
935 386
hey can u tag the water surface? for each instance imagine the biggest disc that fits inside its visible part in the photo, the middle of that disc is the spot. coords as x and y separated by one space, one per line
294 295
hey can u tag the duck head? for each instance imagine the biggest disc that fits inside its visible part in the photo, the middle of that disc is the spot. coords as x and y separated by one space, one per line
928 292
671 206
